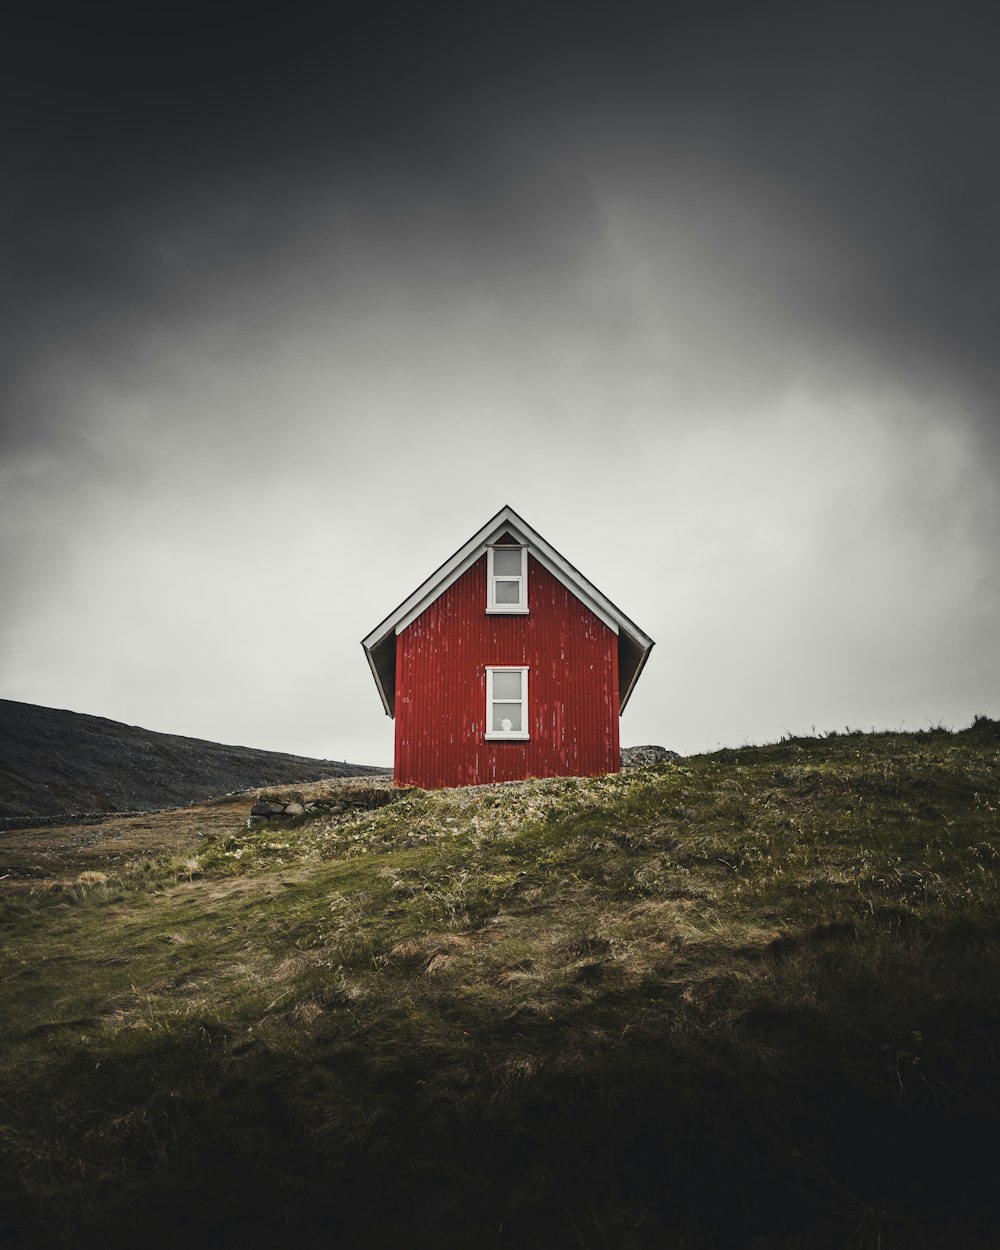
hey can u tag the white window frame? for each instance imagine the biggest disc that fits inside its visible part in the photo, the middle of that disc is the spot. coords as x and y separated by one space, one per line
514 735
507 609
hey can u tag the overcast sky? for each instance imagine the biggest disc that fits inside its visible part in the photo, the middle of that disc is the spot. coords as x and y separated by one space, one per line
295 299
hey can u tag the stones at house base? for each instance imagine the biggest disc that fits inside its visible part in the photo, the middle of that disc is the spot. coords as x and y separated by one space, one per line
640 757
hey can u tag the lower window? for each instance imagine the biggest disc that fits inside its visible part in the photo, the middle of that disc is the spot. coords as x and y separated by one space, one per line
507 703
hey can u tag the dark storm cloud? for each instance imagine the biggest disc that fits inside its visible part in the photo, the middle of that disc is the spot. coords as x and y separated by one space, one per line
882 131
845 162
210 162
161 147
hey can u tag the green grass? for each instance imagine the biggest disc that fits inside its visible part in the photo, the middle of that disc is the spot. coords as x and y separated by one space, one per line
748 994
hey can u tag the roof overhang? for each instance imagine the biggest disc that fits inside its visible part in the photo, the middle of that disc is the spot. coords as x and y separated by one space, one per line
634 645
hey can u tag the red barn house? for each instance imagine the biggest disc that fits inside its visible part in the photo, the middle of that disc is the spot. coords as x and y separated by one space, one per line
506 663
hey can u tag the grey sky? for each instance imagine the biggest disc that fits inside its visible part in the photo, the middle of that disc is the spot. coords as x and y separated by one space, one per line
293 305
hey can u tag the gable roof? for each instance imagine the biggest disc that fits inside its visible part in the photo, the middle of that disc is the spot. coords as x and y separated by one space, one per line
634 646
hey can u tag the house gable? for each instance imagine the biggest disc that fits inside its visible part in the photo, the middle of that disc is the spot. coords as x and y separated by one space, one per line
506 527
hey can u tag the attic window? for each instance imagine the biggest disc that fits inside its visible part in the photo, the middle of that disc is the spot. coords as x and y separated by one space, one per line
507 579
506 704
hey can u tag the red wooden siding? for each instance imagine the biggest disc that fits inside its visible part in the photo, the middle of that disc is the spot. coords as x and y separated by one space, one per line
441 661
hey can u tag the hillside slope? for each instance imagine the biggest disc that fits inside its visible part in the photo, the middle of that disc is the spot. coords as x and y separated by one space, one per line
742 999
53 762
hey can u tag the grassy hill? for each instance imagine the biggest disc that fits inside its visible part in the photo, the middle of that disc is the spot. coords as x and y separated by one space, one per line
53 762
747 999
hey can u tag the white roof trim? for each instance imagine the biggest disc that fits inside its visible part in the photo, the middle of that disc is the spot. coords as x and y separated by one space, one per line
463 559
469 558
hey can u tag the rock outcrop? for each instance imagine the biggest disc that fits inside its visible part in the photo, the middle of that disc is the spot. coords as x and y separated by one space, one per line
638 757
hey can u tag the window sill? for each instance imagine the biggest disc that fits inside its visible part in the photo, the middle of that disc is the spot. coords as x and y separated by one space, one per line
511 611
491 737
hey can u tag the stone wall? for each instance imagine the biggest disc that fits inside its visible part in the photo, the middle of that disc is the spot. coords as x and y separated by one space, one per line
289 806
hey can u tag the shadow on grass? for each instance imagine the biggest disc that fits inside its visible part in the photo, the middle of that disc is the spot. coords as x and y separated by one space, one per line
626 1116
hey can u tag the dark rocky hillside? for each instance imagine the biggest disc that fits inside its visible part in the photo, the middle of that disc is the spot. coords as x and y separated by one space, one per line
55 762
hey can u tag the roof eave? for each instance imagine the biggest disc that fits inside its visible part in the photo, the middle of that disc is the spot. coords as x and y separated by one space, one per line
627 694
384 672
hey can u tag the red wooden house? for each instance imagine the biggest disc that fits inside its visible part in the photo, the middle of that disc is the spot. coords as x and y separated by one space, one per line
506 663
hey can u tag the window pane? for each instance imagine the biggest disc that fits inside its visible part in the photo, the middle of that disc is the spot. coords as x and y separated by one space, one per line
506 685
506 718
508 592
507 563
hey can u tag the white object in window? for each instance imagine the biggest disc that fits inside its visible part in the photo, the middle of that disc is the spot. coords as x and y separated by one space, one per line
507 703
507 579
